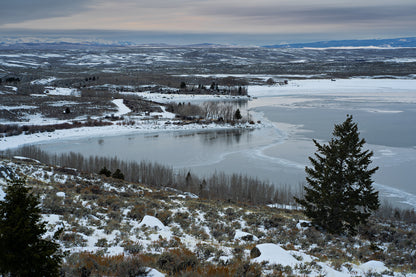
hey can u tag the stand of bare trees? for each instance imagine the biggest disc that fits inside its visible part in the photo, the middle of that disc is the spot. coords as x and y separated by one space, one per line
235 187
216 111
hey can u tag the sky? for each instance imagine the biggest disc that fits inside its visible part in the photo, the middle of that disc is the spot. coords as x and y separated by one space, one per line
284 20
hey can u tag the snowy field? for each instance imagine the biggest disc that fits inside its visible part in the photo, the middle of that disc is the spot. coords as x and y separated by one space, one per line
386 89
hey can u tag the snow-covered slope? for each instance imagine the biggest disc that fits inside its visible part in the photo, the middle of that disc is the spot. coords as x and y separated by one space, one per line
108 216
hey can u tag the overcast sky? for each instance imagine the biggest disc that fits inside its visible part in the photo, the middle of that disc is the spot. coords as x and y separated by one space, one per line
307 19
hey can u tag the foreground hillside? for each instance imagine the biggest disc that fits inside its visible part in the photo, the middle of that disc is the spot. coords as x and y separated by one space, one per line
107 221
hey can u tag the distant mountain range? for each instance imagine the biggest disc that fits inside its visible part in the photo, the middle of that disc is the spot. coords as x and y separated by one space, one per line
384 43
56 43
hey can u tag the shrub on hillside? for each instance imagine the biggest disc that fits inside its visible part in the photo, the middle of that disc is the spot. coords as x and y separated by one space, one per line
89 264
118 175
176 260
105 171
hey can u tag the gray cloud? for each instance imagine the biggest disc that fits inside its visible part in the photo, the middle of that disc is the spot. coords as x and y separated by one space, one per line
15 11
284 16
313 15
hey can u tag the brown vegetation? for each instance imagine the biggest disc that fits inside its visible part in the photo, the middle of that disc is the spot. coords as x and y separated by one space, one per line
14 129
233 188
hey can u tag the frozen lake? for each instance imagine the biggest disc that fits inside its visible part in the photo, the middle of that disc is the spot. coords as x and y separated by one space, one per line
385 111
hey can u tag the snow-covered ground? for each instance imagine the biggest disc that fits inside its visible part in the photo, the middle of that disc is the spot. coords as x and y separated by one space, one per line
388 89
167 98
356 86
44 81
62 91
122 109
142 124
154 237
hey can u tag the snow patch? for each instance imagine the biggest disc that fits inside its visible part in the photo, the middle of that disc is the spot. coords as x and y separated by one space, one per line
62 103
299 225
51 219
373 266
45 81
60 194
26 159
151 221
166 98
241 235
275 254
122 109
62 91
2 194
154 273
22 107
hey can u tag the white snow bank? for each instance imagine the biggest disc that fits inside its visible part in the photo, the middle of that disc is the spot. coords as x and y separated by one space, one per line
241 234
2 194
43 81
154 273
51 219
21 107
166 98
62 91
299 225
151 221
373 266
60 194
25 159
122 109
165 114
275 254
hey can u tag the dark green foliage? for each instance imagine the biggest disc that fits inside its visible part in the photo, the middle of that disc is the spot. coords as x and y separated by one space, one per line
237 115
339 194
118 175
183 85
105 171
23 252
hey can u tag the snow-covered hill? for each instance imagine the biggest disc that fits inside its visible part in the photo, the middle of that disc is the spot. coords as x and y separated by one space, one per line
366 43
174 232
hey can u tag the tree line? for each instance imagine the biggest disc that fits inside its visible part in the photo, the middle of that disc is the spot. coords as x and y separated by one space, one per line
220 186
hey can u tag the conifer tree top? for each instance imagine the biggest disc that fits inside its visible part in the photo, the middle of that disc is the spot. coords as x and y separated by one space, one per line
23 251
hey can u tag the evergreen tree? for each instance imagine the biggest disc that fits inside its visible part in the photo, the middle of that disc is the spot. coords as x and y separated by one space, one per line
118 175
237 114
105 171
339 193
23 252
